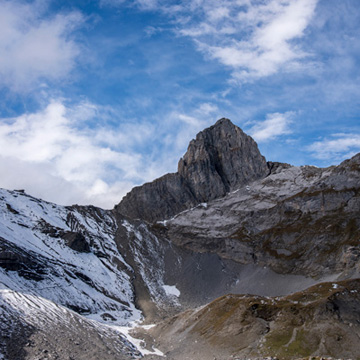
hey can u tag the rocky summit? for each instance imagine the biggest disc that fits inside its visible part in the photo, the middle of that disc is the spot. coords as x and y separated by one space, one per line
231 257
220 159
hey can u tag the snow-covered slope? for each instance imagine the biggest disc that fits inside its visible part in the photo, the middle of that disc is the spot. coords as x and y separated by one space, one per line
66 255
55 259
35 328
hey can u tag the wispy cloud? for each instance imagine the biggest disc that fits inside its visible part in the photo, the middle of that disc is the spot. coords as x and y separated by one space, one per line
274 125
187 125
207 108
35 49
337 147
261 39
253 38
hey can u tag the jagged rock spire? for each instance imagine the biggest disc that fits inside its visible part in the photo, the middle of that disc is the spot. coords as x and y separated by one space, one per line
221 158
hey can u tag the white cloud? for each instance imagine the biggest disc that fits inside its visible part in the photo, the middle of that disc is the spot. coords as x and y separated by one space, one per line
275 125
142 4
338 147
267 41
207 109
52 155
184 127
75 154
33 48
189 120
179 128
254 38
111 2
147 4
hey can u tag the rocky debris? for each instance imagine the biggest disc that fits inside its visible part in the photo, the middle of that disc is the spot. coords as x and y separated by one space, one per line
323 320
220 159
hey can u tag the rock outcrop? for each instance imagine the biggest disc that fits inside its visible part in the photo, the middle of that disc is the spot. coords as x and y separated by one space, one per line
299 220
220 159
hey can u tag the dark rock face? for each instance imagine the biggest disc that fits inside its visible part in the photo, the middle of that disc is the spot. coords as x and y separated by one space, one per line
76 241
27 264
220 159
160 199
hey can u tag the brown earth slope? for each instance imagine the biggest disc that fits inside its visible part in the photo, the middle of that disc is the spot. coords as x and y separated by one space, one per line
323 320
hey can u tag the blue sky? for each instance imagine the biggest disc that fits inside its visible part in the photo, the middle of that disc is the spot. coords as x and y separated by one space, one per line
101 95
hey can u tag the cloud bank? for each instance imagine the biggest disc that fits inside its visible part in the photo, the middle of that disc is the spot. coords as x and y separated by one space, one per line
48 151
75 154
338 147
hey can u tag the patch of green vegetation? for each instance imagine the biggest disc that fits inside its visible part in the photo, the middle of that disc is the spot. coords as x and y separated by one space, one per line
304 344
275 340
263 310
283 346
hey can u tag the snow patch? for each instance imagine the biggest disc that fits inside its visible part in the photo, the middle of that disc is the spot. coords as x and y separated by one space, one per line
171 290
138 343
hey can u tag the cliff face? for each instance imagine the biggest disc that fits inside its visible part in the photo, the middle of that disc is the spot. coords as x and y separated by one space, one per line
220 159
295 220
300 220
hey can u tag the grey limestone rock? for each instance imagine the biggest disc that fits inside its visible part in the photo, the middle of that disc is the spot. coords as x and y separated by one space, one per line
220 159
300 220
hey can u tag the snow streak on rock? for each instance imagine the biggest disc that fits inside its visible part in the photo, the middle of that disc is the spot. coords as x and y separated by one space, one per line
149 258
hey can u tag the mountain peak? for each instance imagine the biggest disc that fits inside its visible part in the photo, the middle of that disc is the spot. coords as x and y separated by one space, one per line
221 158
223 121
